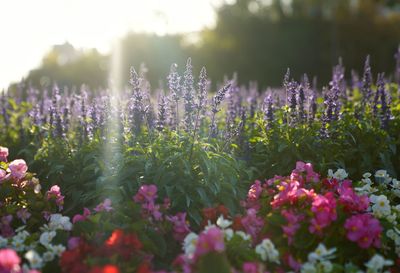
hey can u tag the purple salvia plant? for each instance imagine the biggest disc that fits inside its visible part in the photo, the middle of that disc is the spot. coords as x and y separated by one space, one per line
301 104
188 96
201 99
4 105
136 108
366 82
162 112
292 88
175 93
268 107
216 101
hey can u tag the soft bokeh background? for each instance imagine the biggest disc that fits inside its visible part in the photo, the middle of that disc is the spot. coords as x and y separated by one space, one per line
70 42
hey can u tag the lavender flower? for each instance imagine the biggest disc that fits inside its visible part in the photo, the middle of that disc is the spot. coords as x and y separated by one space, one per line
216 101
188 96
136 108
397 71
301 102
292 100
162 112
268 107
366 82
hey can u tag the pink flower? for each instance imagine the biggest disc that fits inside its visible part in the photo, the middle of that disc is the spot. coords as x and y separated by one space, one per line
254 194
146 193
55 193
23 214
250 267
73 242
351 201
293 224
324 210
3 175
9 261
290 192
181 227
364 229
311 176
252 223
83 217
18 168
3 154
211 240
105 206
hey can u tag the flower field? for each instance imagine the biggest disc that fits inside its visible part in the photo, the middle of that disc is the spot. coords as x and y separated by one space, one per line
181 179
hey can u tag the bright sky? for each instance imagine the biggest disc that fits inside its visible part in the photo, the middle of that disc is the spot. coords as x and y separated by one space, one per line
29 28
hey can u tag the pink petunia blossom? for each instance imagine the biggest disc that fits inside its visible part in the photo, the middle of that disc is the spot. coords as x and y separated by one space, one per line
3 154
104 206
73 242
364 229
293 224
351 201
18 168
3 175
253 195
252 223
211 240
9 261
324 210
290 192
146 193
250 267
181 227
81 217
55 193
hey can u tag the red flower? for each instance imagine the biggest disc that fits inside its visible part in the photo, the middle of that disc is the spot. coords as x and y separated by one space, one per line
144 268
109 268
123 244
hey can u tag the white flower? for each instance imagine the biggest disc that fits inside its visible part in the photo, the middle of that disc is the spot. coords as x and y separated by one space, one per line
382 176
18 243
308 268
223 223
396 192
46 237
340 174
325 266
189 244
267 251
376 264
48 256
228 233
321 253
396 183
34 259
367 175
397 208
245 236
209 225
391 234
57 221
57 249
381 207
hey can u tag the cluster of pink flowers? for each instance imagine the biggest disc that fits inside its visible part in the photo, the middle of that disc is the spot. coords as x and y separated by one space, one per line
324 210
10 262
252 223
3 154
106 205
55 194
180 225
364 229
146 196
293 225
210 240
18 168
350 200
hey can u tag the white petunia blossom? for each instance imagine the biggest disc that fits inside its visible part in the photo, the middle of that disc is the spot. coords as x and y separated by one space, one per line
46 237
48 256
223 223
245 236
189 244
340 174
228 233
382 176
267 251
35 261
58 221
377 263
381 208
308 268
57 249
321 253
